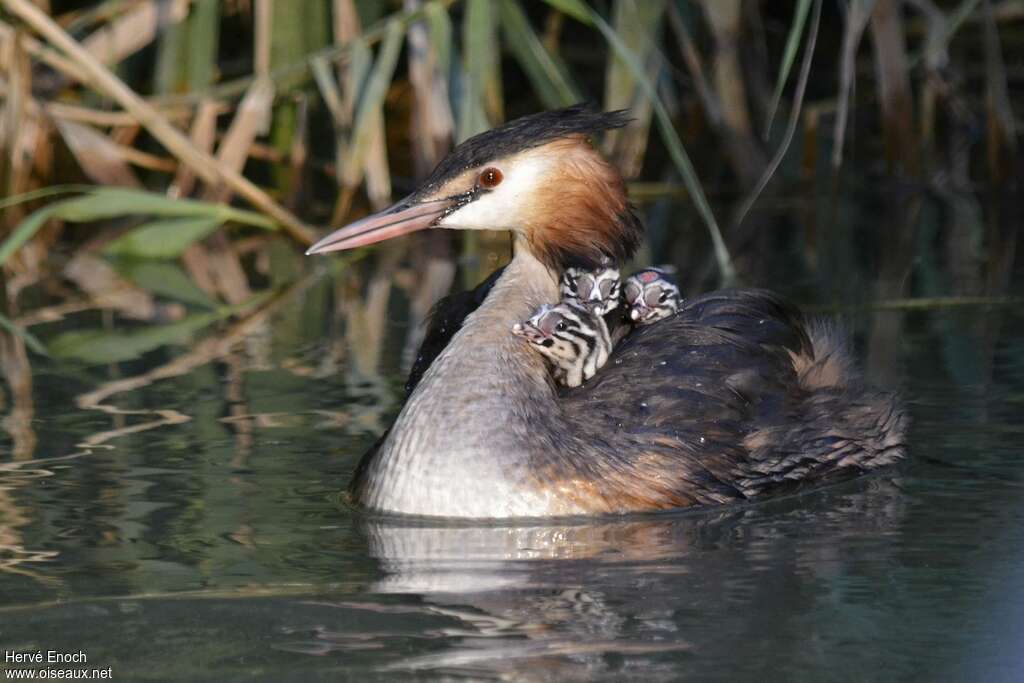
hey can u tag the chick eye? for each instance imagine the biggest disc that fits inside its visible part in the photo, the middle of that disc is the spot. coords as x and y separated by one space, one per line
664 297
560 327
490 177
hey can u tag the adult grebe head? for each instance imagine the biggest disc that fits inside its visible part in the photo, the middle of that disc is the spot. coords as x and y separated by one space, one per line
537 176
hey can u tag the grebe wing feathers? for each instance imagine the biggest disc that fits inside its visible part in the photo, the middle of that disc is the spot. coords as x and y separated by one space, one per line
708 406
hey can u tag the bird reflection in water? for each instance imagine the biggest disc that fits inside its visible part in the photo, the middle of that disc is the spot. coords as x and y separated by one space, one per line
580 598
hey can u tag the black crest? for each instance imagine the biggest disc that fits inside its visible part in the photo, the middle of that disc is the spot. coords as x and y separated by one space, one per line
523 133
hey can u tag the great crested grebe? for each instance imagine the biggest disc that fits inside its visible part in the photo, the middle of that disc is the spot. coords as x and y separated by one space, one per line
574 338
651 295
733 398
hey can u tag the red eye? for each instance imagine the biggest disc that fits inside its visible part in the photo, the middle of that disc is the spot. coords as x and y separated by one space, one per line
490 177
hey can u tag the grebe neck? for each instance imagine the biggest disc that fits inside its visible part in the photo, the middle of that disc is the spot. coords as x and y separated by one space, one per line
461 445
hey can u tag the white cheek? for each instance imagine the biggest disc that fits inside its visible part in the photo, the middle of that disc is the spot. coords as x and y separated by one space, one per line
499 209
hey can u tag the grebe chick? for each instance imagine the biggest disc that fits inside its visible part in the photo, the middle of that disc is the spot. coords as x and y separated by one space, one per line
651 295
599 291
574 339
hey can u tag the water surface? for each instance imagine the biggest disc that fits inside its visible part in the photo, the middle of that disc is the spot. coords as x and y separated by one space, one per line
177 514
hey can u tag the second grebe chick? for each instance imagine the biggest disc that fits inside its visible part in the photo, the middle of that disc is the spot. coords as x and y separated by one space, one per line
575 340
651 295
598 290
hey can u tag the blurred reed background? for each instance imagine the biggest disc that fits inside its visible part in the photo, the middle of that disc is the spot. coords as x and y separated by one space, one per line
273 117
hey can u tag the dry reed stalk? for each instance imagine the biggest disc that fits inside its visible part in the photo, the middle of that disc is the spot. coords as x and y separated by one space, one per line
376 168
99 157
133 30
252 118
46 55
20 128
365 154
98 117
936 56
196 261
857 16
341 100
893 74
725 18
196 258
17 107
553 24
208 168
124 127
432 122
42 153
100 282
1001 128
18 373
366 316
202 134
635 23
261 50
695 65
293 71
298 152
226 270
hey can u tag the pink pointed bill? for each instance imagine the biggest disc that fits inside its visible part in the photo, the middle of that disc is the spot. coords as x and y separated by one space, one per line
395 221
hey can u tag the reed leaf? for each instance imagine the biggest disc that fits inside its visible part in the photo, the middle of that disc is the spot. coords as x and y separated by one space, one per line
440 26
857 16
547 73
107 202
323 75
104 203
203 38
479 107
24 231
485 68
100 346
796 29
17 330
43 193
164 239
357 75
163 278
794 118
577 9
675 147
169 70
369 110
